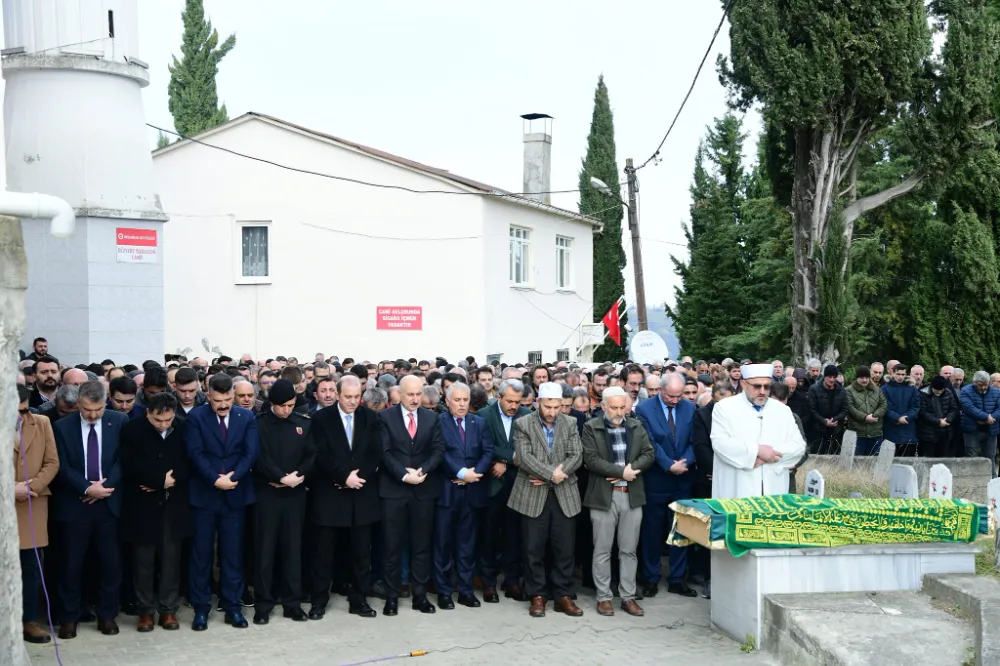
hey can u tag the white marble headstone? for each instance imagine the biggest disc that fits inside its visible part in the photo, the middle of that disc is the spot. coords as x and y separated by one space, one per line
847 446
993 498
903 482
857 495
939 486
886 458
815 486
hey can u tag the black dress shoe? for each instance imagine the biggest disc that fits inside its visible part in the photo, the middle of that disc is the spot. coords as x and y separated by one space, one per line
380 590
200 622
681 589
260 617
129 609
107 627
444 602
424 606
295 614
649 590
490 595
362 609
391 607
317 613
237 620
469 600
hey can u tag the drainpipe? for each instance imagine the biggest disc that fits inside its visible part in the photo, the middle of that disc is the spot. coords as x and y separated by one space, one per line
40 206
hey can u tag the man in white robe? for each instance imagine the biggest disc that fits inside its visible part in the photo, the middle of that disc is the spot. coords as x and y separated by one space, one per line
755 440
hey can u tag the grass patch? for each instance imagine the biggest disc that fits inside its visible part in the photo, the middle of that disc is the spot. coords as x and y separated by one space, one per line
840 483
984 558
749 644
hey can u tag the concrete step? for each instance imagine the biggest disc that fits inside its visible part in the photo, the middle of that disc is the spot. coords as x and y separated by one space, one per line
865 629
979 598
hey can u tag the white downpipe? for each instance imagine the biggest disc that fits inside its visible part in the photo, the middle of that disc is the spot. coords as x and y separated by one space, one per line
40 206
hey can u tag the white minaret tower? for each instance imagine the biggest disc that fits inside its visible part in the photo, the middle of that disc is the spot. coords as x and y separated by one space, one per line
74 128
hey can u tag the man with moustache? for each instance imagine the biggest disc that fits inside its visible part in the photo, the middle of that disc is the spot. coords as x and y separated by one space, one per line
46 370
325 394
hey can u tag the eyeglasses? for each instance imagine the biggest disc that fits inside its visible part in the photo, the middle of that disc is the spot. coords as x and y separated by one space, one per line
24 411
760 387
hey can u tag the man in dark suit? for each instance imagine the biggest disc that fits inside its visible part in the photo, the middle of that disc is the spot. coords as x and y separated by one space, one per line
222 444
412 452
468 455
287 455
668 419
47 380
344 493
500 534
156 517
85 505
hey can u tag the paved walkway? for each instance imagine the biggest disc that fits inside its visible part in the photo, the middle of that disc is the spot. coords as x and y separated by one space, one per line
673 627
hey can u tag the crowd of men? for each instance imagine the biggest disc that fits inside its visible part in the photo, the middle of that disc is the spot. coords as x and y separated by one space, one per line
404 479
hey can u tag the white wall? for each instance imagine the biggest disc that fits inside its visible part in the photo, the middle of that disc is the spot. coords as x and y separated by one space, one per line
542 317
325 285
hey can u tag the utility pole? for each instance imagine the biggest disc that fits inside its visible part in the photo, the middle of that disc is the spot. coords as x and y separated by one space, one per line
633 226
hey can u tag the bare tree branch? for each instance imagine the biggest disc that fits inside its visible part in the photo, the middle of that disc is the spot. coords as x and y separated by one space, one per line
873 201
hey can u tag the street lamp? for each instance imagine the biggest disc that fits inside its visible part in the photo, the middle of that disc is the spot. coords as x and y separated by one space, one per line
633 225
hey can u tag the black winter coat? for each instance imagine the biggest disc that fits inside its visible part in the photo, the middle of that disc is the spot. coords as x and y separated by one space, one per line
826 404
933 408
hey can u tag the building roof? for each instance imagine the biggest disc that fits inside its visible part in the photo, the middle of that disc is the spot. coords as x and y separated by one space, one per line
467 184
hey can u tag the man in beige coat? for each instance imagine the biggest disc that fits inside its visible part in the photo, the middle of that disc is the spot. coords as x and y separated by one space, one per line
547 452
35 465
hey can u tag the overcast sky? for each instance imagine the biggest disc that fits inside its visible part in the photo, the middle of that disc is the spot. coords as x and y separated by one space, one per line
444 81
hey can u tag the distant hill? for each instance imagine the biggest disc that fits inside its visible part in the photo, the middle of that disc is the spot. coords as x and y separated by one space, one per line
658 322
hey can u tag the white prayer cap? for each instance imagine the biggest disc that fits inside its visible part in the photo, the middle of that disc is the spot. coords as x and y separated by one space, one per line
757 371
551 390
612 392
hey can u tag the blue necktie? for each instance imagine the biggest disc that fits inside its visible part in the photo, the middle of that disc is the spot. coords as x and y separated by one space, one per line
350 430
93 456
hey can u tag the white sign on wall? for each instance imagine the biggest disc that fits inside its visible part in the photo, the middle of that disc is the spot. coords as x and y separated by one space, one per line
136 246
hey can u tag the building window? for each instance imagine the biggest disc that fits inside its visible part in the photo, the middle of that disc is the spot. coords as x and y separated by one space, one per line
520 256
255 251
493 358
562 355
534 357
564 271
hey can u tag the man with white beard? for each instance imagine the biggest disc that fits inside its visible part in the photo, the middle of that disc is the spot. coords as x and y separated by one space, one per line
755 440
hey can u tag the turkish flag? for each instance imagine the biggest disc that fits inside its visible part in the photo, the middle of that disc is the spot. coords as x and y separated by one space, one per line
611 322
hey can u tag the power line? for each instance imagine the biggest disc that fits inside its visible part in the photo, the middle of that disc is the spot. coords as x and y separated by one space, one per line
383 186
708 51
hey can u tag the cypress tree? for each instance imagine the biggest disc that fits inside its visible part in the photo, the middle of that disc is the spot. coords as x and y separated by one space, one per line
194 101
609 255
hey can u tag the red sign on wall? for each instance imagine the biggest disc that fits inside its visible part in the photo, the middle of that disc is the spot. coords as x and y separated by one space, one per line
136 245
399 317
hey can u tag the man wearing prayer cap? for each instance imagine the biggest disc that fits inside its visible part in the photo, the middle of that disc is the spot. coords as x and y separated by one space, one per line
548 452
755 440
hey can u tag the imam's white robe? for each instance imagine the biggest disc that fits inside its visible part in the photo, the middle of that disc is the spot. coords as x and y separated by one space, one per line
737 430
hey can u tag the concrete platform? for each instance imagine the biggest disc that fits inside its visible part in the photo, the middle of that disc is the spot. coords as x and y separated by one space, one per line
740 584
865 629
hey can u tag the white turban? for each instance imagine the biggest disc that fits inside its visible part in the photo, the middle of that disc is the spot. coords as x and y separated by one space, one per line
757 371
613 392
550 390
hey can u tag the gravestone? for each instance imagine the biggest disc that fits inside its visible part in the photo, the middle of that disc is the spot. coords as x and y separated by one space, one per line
857 495
847 447
992 498
939 486
815 486
886 458
903 482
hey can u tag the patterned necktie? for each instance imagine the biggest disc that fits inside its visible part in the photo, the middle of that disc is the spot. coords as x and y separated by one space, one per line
411 427
461 429
223 430
93 456
670 422
350 430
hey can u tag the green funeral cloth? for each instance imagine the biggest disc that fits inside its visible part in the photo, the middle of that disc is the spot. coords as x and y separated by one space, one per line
799 521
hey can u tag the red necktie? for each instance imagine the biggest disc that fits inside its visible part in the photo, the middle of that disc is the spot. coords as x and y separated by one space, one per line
411 427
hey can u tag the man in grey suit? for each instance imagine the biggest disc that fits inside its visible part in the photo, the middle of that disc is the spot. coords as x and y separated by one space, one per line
616 450
548 453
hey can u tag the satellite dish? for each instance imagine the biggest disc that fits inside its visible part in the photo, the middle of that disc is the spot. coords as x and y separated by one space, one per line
648 347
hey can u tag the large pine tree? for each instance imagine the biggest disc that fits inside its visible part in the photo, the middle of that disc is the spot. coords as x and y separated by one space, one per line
194 100
609 255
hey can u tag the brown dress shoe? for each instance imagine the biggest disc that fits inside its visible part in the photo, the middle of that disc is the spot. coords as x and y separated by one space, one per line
537 607
515 592
567 606
107 627
404 592
633 608
145 623
67 630
33 633
605 608
169 621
